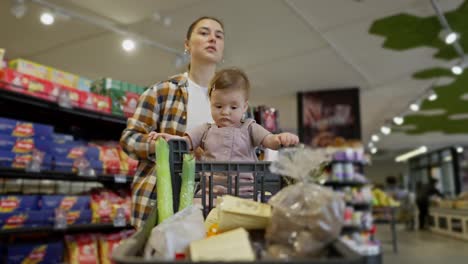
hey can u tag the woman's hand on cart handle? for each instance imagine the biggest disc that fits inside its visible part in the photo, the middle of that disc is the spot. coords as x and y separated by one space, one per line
154 135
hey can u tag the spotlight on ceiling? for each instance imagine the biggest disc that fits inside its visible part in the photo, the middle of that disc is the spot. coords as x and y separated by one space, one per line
432 97
398 120
385 130
448 36
460 67
414 107
374 150
47 18
128 45
460 150
375 138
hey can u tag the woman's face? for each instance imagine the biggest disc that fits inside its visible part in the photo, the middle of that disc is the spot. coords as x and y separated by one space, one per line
206 42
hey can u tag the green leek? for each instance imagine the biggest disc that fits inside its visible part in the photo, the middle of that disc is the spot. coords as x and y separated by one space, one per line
163 181
187 188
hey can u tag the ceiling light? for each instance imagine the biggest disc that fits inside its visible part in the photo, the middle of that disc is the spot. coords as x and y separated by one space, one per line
370 145
460 149
128 45
375 138
373 150
457 70
448 36
414 107
432 97
411 154
19 8
398 120
385 130
47 18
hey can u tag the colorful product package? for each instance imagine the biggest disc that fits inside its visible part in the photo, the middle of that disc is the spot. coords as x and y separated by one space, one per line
23 219
27 84
107 244
13 160
66 202
30 68
84 84
63 78
17 128
129 103
22 144
50 253
82 249
62 138
15 203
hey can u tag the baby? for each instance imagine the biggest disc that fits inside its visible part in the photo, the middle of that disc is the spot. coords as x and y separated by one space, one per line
231 138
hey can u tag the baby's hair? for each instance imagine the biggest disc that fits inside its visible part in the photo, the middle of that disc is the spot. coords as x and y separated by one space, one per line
230 78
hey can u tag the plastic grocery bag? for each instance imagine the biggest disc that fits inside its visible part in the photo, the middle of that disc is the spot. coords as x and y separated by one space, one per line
175 234
306 216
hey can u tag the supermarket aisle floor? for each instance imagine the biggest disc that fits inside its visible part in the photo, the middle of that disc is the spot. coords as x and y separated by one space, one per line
422 247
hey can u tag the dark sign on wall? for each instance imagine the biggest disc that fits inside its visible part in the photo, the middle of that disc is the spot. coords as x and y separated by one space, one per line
329 117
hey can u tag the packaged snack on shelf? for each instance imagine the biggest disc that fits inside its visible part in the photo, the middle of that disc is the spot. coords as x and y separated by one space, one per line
13 160
24 219
84 84
82 249
30 68
129 103
310 213
72 202
103 103
15 203
72 97
27 84
110 158
17 128
51 253
79 217
62 78
62 138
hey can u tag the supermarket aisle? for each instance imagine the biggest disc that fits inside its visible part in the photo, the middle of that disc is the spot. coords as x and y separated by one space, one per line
422 247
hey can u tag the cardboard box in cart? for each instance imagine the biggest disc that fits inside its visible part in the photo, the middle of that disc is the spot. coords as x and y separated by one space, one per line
130 250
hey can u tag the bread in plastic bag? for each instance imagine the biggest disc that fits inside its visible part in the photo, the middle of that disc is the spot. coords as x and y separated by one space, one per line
175 234
306 217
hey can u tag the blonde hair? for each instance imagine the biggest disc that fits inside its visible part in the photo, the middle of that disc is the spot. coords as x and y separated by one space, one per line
231 78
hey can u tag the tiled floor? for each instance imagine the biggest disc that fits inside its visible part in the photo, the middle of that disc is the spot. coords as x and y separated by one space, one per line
422 247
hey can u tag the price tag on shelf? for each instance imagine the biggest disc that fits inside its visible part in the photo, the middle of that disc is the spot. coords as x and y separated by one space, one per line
119 178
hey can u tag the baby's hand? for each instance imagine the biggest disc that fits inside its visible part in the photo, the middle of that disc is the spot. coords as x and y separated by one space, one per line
288 139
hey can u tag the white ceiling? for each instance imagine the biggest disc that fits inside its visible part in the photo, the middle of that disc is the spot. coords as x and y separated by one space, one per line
285 46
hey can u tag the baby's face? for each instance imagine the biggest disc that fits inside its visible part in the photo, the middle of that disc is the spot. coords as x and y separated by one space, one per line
228 106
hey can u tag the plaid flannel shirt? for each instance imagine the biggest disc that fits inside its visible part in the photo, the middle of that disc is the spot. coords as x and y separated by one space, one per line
161 108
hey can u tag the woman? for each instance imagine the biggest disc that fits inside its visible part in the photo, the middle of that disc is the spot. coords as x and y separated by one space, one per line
172 106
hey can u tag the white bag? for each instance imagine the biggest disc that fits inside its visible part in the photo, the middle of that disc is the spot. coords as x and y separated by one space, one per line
175 234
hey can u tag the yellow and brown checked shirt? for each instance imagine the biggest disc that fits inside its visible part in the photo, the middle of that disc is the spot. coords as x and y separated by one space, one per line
161 108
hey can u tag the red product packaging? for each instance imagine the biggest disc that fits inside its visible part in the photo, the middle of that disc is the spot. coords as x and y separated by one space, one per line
110 160
27 84
82 249
103 103
75 96
130 103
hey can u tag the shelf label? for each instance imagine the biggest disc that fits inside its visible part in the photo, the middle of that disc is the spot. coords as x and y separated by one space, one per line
120 178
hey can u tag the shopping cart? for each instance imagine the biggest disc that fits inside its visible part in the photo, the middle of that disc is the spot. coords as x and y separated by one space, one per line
264 184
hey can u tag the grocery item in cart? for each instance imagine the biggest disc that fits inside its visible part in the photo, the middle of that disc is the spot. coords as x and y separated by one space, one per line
234 212
306 217
174 235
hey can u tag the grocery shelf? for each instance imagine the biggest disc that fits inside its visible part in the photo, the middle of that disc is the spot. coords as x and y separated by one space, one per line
355 162
86 123
101 227
11 173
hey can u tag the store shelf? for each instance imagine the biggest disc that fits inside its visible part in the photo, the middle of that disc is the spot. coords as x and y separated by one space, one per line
70 229
10 173
82 122
341 184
